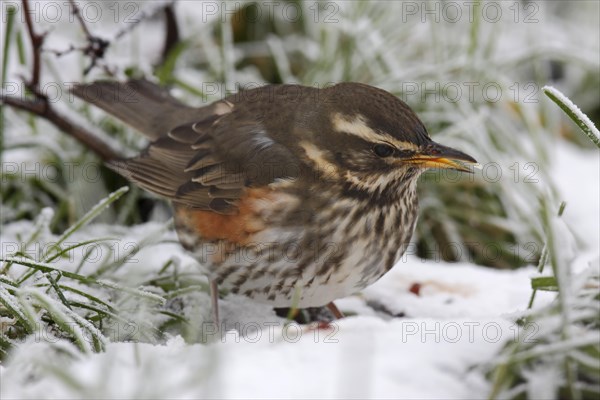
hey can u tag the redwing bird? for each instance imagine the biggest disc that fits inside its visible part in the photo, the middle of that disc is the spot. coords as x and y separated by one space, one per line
289 195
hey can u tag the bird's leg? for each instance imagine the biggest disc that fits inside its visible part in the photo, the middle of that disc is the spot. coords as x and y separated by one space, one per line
334 310
214 302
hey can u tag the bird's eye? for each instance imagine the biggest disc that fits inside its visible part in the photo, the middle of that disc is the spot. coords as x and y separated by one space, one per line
383 150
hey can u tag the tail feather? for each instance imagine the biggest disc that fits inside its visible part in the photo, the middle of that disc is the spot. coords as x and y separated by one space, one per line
142 104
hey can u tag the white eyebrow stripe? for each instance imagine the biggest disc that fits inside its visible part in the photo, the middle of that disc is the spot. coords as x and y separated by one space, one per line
358 127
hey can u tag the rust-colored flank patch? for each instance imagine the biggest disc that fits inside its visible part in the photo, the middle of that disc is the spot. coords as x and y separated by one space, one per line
237 228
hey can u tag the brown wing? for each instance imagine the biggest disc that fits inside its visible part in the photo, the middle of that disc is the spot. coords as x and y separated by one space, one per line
206 157
193 164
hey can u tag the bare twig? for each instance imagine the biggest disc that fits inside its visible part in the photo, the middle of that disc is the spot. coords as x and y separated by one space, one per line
36 44
77 15
95 49
41 108
96 46
145 15
60 53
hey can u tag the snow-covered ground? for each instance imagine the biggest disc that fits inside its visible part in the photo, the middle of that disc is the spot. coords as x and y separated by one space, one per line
459 320
426 330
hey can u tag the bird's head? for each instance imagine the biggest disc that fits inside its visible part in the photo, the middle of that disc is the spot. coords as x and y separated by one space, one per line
371 140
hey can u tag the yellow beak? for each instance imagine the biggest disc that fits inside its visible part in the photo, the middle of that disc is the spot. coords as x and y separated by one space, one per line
435 155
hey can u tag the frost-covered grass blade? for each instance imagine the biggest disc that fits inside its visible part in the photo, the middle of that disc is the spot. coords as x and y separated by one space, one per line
583 122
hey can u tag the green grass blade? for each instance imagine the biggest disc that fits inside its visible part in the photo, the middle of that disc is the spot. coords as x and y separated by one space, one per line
12 304
188 289
49 258
145 327
135 292
5 345
122 257
474 33
90 297
10 19
43 267
69 321
166 71
57 289
542 263
93 213
576 115
8 282
544 283
21 49
42 225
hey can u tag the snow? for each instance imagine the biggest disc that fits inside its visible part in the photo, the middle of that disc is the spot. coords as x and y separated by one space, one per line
363 357
459 320
577 174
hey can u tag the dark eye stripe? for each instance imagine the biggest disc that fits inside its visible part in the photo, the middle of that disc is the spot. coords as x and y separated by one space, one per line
405 153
